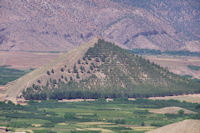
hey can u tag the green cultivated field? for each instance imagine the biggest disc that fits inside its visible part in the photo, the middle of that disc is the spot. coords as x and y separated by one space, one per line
192 67
9 74
120 116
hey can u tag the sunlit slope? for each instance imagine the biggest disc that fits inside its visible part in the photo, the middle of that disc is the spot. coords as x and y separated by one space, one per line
71 57
186 126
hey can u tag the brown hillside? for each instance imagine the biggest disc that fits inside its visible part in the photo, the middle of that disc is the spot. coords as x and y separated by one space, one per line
186 126
35 25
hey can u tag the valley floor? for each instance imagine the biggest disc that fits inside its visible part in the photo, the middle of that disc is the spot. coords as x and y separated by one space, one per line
120 115
25 60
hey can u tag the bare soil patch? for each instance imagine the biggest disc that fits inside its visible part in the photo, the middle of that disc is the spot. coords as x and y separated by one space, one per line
193 98
186 126
171 110
76 100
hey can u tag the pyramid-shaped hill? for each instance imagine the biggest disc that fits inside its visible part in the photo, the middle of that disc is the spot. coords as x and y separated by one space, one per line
105 70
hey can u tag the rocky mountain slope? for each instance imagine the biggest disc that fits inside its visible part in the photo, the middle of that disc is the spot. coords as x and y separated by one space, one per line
52 25
100 69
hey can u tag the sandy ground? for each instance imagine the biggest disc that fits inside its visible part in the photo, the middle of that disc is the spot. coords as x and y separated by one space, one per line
186 126
171 110
76 100
193 98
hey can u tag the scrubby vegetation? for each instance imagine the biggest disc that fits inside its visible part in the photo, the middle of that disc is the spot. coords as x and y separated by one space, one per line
192 67
159 52
108 71
9 74
56 117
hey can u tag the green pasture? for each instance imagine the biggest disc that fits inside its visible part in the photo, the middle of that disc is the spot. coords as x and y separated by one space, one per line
121 116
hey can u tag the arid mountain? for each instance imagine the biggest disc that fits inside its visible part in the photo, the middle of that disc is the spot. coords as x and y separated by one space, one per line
60 25
100 69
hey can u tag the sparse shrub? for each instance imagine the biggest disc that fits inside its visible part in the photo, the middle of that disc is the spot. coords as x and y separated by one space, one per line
197 106
89 58
142 124
197 116
10 103
97 59
82 69
91 68
37 87
62 69
39 81
48 125
47 83
69 116
50 80
181 112
52 71
48 73
54 81
33 85
93 64
69 71
86 62
103 58
120 121
77 76
75 69
157 124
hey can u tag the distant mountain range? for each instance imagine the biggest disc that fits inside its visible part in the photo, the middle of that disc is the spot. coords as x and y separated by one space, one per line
52 25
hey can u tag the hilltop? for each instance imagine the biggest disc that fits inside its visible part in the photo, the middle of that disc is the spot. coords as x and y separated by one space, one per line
101 69
62 25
